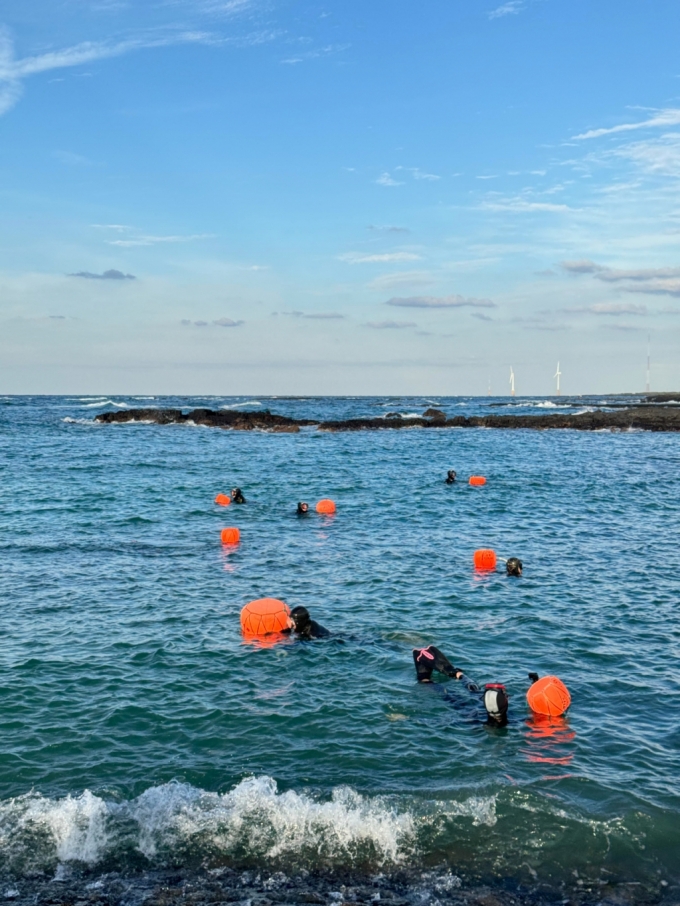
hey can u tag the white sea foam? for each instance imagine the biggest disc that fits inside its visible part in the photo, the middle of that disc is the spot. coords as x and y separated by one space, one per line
175 818
78 421
239 405
104 402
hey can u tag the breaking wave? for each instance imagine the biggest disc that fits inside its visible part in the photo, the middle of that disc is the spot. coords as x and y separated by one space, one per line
176 822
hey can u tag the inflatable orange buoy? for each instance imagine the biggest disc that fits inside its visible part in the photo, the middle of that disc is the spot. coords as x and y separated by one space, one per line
223 500
230 536
477 480
264 616
325 506
548 696
484 558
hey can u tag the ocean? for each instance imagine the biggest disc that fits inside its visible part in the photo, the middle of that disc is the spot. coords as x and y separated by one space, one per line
140 731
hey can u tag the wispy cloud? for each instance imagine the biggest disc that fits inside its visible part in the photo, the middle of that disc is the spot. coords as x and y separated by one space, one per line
388 229
658 156
315 54
417 173
507 9
440 302
157 240
656 281
609 308
315 315
390 325
388 282
523 205
380 258
386 180
660 119
13 72
72 159
107 275
227 322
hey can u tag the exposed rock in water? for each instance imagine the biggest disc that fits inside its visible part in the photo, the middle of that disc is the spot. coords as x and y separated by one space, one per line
436 414
646 418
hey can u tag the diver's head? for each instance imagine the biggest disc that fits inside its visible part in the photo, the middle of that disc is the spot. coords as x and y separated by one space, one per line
513 566
496 702
303 507
236 492
300 618
451 475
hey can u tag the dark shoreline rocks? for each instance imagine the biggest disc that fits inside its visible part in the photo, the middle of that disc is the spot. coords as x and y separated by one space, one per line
260 887
641 417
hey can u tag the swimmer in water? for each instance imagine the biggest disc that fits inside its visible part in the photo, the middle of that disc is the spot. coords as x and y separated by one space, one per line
450 476
304 627
493 696
302 509
237 496
513 566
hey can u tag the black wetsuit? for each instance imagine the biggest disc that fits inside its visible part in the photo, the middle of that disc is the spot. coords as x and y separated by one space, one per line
312 630
237 496
431 658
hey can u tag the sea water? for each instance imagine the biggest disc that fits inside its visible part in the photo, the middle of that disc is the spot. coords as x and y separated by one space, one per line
138 728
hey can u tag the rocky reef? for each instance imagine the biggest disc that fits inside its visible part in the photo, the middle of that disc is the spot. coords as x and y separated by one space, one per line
644 416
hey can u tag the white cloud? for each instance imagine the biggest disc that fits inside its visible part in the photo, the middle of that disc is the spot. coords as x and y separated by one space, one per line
507 9
521 205
386 180
390 325
359 258
316 315
156 240
388 282
659 156
440 302
13 72
662 118
610 308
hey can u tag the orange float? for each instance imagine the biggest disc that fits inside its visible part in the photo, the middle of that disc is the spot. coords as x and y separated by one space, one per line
477 480
264 616
485 559
230 536
325 506
223 500
548 696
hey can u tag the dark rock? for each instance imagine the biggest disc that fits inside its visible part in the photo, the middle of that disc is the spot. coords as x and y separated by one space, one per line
437 414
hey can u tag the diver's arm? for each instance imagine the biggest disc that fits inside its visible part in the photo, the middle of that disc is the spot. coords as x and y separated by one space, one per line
469 684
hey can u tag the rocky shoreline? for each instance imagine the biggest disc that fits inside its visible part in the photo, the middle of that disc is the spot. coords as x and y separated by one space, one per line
643 417
203 887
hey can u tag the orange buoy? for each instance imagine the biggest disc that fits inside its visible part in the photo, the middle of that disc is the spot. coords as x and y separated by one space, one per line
548 696
263 616
477 480
230 536
484 558
325 506
223 500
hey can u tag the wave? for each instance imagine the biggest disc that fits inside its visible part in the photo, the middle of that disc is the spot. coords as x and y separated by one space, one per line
105 402
78 421
178 821
239 405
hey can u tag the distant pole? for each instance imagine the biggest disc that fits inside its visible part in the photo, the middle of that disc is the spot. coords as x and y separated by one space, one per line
512 382
558 375
648 387
489 393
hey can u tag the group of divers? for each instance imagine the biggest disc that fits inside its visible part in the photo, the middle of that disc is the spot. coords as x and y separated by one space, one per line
492 698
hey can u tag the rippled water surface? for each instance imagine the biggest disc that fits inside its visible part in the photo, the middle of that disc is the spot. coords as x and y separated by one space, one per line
138 726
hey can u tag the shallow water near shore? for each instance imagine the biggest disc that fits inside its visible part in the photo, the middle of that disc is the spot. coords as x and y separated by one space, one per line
140 731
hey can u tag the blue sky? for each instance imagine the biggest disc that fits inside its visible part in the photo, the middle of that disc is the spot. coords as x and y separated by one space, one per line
236 196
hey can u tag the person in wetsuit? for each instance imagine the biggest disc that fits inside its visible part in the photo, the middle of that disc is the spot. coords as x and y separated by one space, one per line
237 496
305 627
302 509
513 566
450 476
493 696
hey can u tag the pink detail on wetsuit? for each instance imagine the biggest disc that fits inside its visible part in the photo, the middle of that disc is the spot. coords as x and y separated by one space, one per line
424 651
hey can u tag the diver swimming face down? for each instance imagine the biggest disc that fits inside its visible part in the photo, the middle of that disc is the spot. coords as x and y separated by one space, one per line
513 566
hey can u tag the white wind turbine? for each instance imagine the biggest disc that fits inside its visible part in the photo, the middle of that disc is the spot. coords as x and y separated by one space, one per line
512 382
558 375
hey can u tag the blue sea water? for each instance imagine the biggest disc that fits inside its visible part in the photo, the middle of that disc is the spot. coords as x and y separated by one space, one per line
139 728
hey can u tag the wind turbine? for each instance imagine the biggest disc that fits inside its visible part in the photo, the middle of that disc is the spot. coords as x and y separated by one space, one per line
512 382
558 375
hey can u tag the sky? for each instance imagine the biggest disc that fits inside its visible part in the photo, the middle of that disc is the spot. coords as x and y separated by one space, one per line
264 197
